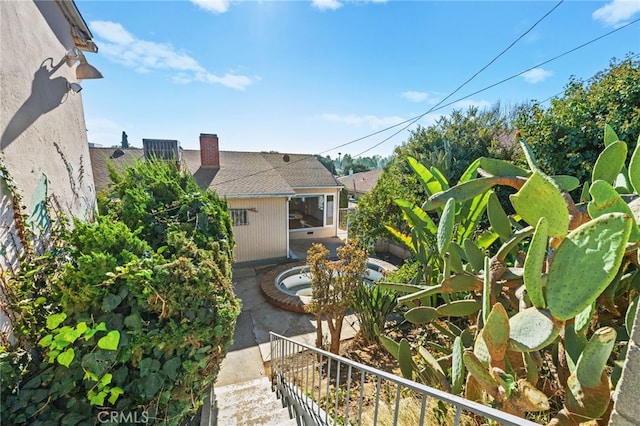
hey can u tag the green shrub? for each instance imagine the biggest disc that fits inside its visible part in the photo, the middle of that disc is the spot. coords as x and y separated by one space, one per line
141 309
372 305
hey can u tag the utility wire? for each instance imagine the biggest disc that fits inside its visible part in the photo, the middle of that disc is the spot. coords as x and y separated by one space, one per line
588 80
435 108
414 119
438 106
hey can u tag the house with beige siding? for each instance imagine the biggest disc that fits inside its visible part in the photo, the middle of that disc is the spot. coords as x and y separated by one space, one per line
273 197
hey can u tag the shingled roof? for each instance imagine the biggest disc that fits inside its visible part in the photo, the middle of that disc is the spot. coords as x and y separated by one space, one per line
361 183
240 175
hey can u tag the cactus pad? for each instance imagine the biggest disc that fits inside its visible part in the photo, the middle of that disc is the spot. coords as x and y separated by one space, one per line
610 162
585 263
528 204
534 263
480 349
498 218
459 308
566 182
461 192
421 315
445 227
634 168
480 373
457 366
594 356
496 333
532 329
605 199
497 167
461 282
405 360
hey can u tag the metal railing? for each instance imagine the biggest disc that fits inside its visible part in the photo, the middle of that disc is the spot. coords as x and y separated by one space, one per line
321 388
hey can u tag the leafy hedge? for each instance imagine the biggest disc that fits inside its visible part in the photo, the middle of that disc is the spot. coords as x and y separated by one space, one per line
140 303
566 135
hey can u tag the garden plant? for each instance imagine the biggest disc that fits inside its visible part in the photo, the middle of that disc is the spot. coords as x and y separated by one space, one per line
126 318
538 305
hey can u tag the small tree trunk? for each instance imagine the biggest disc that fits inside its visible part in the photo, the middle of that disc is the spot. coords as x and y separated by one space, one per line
319 331
335 335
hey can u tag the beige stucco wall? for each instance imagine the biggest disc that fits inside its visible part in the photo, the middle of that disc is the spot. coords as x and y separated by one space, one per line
43 133
324 232
265 237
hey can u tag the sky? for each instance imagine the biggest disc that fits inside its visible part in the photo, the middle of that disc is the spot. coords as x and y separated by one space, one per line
313 76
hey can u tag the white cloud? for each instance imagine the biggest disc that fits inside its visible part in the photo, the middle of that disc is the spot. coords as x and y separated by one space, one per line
144 56
326 4
112 32
617 13
536 75
371 121
414 96
215 6
337 4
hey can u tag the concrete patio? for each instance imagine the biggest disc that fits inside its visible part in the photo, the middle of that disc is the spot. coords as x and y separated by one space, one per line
250 351
244 374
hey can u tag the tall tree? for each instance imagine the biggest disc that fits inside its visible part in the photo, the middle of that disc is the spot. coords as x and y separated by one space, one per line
327 162
566 137
450 144
125 140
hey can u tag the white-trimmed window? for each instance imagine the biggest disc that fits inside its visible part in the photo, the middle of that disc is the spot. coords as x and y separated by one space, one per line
239 217
311 211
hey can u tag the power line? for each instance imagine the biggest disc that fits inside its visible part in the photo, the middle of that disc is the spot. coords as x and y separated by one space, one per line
438 106
414 119
588 80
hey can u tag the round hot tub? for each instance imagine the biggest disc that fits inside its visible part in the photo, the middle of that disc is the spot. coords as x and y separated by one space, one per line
290 287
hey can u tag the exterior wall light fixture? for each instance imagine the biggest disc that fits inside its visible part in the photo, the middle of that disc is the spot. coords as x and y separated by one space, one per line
84 70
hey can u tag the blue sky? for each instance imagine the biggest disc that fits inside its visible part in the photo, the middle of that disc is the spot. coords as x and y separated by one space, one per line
309 76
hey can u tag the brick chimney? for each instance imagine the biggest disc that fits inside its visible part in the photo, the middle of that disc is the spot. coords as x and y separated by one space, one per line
209 151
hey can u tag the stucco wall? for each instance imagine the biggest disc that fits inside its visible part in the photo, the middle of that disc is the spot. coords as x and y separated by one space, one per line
43 133
626 397
265 237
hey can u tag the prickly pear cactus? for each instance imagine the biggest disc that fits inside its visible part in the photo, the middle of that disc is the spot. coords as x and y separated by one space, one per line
560 270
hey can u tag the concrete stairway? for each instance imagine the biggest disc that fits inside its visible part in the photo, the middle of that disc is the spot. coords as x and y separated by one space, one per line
250 403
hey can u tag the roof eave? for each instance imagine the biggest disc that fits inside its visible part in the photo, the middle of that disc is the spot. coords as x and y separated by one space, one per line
318 187
82 36
274 195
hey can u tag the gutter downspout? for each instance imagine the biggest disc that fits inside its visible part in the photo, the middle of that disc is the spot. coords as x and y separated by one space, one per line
287 226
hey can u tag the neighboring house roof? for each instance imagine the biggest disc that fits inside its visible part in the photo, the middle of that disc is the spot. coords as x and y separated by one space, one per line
240 175
361 183
119 158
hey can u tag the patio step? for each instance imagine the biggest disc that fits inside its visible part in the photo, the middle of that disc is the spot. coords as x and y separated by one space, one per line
251 403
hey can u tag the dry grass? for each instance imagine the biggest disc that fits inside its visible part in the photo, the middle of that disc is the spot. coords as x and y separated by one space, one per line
409 414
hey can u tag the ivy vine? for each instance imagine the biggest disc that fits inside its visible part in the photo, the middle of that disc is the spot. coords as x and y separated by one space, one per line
132 313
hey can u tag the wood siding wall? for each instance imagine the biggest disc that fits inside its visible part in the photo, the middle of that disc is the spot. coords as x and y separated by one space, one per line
265 236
